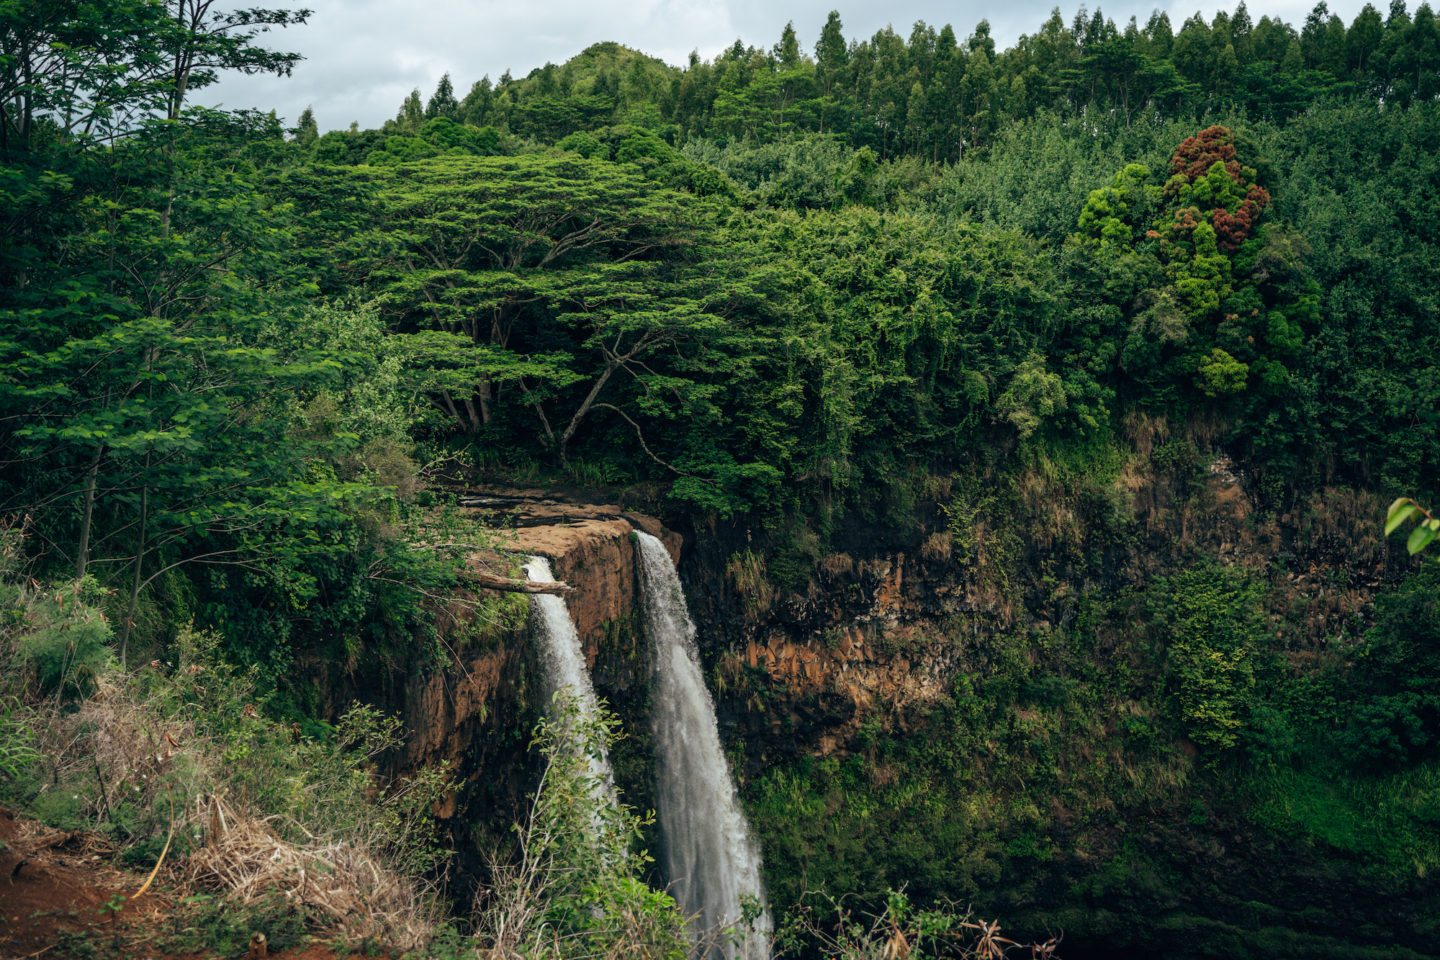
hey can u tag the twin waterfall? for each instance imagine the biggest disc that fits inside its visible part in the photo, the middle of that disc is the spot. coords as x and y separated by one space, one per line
708 856
564 663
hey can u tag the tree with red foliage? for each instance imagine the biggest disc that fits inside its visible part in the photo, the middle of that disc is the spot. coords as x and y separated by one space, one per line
1234 304
1197 154
1206 175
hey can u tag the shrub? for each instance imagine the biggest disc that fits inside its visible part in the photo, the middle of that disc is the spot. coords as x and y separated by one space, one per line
1398 676
576 889
64 644
1209 618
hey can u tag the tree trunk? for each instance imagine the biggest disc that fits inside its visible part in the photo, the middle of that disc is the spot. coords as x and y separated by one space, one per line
139 563
450 404
485 396
574 425
474 418
82 558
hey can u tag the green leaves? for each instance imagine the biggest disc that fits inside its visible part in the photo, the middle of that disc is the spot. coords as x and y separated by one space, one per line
1400 511
1427 526
1211 620
1422 535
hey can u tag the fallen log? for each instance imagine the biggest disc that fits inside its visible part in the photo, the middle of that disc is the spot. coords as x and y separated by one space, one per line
491 582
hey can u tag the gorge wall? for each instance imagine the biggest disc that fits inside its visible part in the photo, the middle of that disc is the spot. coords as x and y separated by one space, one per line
476 713
972 695
991 704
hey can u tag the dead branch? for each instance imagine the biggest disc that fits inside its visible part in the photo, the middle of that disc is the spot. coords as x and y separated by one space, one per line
492 582
646 447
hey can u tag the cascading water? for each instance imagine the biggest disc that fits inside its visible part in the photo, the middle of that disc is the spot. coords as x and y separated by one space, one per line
564 663
709 857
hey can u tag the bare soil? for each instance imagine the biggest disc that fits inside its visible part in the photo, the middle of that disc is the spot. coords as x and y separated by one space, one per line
54 888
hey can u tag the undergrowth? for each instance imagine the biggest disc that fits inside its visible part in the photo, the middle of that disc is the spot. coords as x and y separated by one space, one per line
177 763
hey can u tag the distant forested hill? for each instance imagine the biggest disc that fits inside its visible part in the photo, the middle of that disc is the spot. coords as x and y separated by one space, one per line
935 95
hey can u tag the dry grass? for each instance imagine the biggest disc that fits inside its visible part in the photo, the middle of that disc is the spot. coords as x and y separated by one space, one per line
937 546
243 857
1145 431
902 931
118 749
747 572
115 749
935 487
1344 521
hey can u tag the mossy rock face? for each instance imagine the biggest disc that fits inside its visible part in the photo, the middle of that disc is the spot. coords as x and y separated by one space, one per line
1124 731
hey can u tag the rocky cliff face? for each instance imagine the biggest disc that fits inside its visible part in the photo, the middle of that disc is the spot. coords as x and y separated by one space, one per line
886 626
1105 827
869 647
475 714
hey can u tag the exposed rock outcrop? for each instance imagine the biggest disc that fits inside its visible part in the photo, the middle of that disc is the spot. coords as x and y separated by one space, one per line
879 632
588 544
465 714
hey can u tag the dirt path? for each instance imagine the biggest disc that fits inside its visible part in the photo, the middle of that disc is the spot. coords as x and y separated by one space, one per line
56 894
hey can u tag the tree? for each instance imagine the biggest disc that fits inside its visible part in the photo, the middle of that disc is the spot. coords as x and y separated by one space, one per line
526 265
831 54
787 51
200 41
442 102
307 131
145 425
137 405
97 72
411 114
1363 40
475 108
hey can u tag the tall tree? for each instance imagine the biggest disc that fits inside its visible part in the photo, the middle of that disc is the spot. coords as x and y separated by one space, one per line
831 54
307 131
787 51
442 102
546 277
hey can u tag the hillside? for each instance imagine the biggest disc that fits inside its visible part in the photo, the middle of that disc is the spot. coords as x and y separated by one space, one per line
856 494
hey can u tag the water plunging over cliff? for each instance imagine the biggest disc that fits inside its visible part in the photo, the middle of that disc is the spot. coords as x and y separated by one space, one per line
564 663
709 857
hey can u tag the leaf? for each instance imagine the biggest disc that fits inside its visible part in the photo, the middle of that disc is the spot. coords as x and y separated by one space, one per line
1419 538
1400 511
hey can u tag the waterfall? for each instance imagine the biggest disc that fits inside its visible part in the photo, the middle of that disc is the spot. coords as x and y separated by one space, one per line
711 861
564 663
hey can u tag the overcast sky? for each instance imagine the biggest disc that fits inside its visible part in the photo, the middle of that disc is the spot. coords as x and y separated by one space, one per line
362 57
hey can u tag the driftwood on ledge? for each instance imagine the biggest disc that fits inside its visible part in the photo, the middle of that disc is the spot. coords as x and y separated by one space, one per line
492 582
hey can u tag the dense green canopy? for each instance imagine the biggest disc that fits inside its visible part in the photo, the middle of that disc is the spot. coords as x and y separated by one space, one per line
791 300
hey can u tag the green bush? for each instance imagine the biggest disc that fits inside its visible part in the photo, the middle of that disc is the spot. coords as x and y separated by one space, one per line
577 891
1397 720
64 644
17 741
1209 619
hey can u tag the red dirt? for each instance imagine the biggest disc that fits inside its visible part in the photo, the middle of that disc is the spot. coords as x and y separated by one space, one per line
53 886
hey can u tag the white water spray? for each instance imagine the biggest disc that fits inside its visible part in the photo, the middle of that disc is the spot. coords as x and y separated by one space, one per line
711 861
565 667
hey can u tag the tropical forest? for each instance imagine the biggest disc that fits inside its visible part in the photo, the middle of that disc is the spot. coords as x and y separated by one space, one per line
860 497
